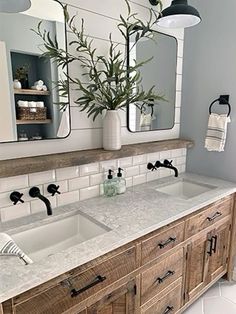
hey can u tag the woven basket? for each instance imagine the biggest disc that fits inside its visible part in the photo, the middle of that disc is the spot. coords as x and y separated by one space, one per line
31 113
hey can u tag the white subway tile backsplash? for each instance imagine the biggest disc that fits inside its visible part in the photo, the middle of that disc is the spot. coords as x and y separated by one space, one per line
42 177
129 182
143 169
184 151
165 172
182 168
14 212
140 179
131 171
140 159
153 175
86 170
106 165
176 153
13 183
165 155
180 161
82 182
78 183
153 157
67 173
96 179
125 162
90 192
67 198
38 206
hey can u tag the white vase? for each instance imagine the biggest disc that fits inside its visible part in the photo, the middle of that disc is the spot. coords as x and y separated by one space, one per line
112 130
17 84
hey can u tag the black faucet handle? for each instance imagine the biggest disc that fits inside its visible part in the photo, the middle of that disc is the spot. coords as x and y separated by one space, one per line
16 197
150 166
53 189
168 162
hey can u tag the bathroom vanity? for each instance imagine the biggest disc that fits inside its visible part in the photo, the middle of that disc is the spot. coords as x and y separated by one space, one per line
161 254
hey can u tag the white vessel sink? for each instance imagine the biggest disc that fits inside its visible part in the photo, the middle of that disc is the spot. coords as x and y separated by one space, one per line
56 236
185 189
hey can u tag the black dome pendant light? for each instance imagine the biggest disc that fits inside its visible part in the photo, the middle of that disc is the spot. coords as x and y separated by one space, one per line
179 15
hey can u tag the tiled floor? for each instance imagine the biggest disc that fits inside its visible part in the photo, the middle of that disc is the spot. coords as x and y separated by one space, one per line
220 299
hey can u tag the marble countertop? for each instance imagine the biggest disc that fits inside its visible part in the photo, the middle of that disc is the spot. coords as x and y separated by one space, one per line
129 216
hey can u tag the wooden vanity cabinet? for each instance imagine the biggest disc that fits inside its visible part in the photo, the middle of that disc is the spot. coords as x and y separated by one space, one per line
162 272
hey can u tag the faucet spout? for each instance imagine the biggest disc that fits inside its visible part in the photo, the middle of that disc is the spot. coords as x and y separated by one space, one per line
168 164
35 193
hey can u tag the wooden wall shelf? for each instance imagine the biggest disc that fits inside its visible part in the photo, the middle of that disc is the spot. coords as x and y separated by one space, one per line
30 92
20 166
23 122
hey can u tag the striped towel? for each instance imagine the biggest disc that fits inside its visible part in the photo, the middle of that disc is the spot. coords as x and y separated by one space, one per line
9 247
217 132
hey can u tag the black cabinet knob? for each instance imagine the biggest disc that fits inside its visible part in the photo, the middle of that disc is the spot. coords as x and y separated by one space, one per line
16 197
53 189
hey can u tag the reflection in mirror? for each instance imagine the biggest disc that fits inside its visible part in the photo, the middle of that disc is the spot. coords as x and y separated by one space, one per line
29 94
161 72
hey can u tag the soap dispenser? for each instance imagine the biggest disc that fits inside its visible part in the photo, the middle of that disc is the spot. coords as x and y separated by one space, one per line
120 182
110 186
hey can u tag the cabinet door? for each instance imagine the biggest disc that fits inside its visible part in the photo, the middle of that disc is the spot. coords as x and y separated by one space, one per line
197 265
120 301
220 246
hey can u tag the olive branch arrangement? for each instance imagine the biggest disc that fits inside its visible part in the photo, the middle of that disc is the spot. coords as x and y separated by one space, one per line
108 83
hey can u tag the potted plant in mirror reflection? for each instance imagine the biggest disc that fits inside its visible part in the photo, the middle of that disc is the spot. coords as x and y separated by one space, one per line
21 75
110 84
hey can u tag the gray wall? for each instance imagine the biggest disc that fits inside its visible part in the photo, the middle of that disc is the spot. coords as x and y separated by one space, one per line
210 70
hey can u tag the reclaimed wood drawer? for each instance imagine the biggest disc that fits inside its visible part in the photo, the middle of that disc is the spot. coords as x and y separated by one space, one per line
161 275
68 293
168 303
209 215
162 242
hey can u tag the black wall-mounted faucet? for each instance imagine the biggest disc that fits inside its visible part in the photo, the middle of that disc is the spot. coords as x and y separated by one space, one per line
166 164
53 189
16 197
35 193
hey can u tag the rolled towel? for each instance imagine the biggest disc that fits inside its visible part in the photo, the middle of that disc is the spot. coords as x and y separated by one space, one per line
40 104
39 83
9 248
32 104
36 87
44 88
23 104
217 132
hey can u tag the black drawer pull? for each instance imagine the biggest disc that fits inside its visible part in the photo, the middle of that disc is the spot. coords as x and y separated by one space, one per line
75 293
211 245
216 215
168 309
163 245
215 238
167 275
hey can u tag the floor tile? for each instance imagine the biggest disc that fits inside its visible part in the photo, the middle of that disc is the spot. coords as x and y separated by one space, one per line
196 308
228 291
218 306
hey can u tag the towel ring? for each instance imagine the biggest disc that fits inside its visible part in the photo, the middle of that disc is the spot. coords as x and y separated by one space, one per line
223 100
143 109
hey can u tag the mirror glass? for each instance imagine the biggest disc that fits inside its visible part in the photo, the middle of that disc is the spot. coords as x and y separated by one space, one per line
161 72
29 94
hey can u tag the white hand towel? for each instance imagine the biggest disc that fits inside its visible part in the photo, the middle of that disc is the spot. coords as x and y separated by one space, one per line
217 132
9 247
64 127
36 87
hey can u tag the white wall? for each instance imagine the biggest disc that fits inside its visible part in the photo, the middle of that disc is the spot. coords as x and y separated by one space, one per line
101 18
